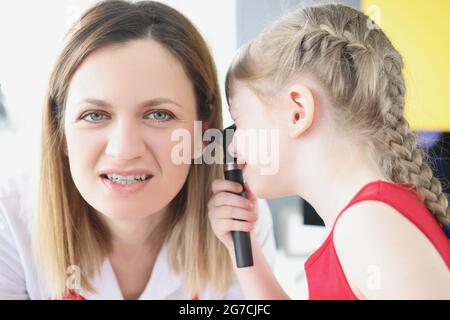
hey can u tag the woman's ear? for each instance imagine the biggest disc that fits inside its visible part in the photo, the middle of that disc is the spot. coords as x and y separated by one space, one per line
301 110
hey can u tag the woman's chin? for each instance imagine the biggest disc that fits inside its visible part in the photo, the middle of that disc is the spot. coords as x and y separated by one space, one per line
123 216
127 212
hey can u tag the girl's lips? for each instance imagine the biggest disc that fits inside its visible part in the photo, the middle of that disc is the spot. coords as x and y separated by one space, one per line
125 189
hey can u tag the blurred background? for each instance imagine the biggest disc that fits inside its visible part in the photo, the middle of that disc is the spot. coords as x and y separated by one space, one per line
31 35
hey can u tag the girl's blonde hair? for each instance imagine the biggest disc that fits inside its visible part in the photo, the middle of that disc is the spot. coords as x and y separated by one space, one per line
68 231
353 59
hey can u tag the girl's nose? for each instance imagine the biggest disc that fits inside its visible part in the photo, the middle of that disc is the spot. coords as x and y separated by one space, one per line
125 142
232 146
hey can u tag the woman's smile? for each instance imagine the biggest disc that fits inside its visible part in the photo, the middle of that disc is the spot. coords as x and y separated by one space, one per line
125 185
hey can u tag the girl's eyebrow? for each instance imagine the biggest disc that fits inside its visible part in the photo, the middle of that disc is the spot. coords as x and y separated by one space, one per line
147 103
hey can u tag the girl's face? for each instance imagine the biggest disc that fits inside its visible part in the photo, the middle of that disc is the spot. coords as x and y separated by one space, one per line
260 142
123 104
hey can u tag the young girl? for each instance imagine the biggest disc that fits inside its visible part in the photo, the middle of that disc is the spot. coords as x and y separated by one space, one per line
117 217
333 88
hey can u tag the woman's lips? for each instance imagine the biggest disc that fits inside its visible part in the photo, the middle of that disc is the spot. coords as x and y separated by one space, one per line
125 189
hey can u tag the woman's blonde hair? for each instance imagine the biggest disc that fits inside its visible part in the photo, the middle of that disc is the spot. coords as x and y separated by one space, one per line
353 59
68 231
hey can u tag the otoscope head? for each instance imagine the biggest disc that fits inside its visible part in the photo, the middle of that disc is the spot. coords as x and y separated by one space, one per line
228 134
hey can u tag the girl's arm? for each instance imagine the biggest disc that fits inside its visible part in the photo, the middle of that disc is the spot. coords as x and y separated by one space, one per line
227 212
258 282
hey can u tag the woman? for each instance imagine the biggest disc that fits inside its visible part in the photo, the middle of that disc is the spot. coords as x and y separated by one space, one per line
116 216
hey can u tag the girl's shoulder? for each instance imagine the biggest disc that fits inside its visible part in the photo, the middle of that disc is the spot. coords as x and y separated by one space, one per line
384 251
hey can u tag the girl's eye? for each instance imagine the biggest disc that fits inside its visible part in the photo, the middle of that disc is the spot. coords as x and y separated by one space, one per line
160 116
93 117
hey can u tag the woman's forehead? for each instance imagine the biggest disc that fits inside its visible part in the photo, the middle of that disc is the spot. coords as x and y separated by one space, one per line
140 70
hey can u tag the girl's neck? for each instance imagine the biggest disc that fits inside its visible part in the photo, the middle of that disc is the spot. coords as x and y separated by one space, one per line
330 187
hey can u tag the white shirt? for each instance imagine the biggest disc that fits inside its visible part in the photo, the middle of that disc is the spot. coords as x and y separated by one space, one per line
20 277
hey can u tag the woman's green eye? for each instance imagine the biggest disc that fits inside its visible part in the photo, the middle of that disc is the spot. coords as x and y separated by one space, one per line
160 116
94 117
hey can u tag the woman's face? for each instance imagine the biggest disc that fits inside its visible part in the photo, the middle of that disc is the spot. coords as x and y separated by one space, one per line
123 104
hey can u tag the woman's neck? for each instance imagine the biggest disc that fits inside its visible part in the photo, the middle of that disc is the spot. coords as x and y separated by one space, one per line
133 237
134 247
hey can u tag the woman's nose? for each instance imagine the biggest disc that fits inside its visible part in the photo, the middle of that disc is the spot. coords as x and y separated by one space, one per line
125 142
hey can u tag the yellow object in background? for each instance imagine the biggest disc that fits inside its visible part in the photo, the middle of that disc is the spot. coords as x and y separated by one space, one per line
420 31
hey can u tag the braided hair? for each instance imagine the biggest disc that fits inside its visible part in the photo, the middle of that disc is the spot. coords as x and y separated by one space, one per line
350 56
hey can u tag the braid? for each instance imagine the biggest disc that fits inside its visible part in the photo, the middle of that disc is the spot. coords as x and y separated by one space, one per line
349 55
363 72
407 160
339 52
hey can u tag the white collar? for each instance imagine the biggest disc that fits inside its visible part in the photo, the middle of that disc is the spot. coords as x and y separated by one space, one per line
163 281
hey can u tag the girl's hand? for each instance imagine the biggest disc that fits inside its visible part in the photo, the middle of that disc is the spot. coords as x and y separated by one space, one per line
257 281
229 211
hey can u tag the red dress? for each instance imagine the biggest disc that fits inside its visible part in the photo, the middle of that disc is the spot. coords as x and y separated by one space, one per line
324 273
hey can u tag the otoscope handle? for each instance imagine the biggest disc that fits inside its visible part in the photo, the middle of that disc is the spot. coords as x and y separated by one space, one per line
241 239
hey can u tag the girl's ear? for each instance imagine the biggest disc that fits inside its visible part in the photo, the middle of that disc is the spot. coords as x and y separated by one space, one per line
301 110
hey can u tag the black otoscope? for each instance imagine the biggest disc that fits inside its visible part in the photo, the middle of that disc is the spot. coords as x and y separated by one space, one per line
241 240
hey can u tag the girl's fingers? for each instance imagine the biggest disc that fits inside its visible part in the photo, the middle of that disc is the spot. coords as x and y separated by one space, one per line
226 185
230 199
249 194
227 212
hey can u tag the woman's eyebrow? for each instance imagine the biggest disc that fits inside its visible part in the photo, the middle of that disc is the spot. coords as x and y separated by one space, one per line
147 103
158 101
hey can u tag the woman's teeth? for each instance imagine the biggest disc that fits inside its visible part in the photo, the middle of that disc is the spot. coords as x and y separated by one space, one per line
116 178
